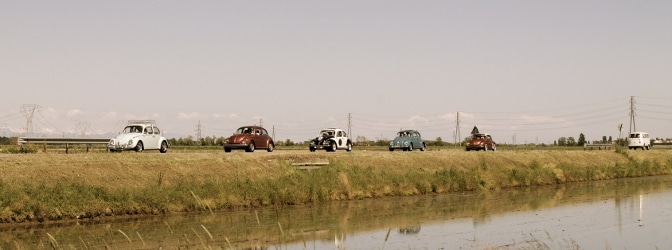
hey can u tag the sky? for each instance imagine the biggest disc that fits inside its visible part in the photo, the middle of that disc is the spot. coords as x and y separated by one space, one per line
524 71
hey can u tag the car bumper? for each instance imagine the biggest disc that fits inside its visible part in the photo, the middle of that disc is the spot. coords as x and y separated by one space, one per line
319 146
236 146
119 147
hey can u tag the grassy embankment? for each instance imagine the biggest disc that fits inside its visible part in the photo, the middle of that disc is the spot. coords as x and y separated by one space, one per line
51 187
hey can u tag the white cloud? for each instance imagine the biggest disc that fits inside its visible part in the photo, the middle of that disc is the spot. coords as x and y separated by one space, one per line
187 116
72 113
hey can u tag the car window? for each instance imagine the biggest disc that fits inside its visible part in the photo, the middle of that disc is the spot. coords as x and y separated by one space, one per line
157 131
133 129
148 130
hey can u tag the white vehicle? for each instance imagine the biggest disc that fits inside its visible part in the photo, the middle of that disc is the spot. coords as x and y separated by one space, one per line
139 135
639 140
331 139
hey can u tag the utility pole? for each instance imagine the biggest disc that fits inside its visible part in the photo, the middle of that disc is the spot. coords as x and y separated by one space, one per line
198 131
28 111
273 132
632 115
260 124
457 129
82 127
350 126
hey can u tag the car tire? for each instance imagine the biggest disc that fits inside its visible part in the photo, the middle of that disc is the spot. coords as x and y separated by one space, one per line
494 147
332 147
423 147
312 149
391 149
485 147
227 150
348 147
139 147
250 148
270 147
410 147
164 147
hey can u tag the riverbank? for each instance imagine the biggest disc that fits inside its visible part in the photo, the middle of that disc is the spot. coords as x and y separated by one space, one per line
57 187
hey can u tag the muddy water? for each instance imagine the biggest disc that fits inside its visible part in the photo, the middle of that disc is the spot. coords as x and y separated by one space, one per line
620 214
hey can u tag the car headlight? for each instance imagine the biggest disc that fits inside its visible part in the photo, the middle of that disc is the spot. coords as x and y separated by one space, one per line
405 144
130 142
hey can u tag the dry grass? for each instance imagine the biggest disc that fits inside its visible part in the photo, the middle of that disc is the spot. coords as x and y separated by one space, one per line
43 187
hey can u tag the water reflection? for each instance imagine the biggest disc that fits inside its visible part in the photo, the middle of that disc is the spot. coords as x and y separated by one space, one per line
616 214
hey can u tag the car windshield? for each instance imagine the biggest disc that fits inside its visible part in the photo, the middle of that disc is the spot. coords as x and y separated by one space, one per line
479 136
634 135
133 129
404 134
327 133
245 130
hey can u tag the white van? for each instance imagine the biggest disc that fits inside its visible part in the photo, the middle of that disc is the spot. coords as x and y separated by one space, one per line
639 140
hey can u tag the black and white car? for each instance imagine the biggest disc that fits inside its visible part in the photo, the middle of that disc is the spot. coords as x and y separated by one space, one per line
331 139
139 135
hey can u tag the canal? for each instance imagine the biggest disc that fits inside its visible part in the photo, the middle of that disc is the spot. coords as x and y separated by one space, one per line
616 214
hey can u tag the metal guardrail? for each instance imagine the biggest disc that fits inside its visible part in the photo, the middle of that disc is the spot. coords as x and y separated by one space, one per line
63 141
599 146
661 144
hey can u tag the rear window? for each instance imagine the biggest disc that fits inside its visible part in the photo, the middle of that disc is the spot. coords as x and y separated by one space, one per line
639 135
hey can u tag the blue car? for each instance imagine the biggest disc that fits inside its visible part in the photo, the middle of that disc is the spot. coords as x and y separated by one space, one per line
408 140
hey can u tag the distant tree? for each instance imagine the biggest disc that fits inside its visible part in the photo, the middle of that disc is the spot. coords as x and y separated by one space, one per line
439 141
361 140
610 139
382 142
289 142
562 141
582 139
220 141
571 141
604 139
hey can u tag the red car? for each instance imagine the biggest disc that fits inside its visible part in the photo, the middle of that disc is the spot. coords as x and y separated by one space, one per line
249 138
481 142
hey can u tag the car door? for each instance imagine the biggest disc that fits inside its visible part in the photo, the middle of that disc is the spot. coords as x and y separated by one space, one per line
263 138
415 138
259 140
151 140
340 136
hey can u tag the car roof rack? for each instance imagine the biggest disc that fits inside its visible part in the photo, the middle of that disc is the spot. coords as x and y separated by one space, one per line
147 122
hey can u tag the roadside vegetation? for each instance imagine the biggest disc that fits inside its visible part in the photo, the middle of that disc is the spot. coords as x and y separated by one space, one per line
43 187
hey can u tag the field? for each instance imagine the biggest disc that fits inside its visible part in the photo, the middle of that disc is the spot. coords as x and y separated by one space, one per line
53 186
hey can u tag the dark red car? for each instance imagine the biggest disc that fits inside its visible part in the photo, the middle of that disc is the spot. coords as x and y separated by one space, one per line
481 142
249 138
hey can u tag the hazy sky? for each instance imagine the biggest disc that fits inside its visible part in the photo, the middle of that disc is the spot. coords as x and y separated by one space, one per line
529 71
